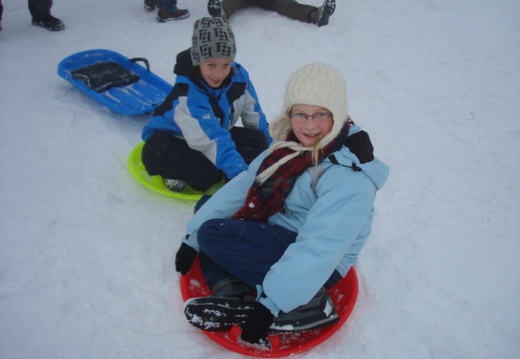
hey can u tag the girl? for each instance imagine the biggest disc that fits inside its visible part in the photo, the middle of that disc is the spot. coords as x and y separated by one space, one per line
281 229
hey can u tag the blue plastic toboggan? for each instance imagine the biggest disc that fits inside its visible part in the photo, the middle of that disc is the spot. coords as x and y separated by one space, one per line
138 98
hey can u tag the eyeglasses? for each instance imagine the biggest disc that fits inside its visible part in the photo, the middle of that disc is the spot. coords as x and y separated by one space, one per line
302 117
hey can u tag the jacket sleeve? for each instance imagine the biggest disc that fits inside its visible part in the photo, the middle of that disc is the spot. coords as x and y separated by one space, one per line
337 221
162 118
202 131
252 114
224 203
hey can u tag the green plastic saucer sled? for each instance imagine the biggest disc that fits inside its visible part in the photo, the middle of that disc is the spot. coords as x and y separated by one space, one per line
343 294
155 183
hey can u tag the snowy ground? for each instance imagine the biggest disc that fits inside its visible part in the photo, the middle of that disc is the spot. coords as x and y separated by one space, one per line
86 252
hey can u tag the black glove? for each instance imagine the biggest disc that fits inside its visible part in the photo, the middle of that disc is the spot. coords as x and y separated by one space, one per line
184 258
360 145
256 325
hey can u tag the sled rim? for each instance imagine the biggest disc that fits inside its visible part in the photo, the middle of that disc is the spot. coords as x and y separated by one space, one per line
155 183
344 295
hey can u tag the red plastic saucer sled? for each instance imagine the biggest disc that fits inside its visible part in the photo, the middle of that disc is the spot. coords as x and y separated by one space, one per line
343 294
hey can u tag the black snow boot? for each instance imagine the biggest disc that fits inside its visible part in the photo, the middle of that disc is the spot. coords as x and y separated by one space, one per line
324 12
215 8
49 22
219 313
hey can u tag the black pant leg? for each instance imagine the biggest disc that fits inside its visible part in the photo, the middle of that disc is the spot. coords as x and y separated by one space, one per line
171 157
39 8
249 142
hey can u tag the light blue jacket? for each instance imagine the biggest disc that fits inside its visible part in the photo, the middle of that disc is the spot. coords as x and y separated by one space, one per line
333 221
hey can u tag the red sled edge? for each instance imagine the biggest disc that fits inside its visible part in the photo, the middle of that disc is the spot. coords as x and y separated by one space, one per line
343 294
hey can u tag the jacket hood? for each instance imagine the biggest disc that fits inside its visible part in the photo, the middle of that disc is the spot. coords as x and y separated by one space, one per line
184 67
183 64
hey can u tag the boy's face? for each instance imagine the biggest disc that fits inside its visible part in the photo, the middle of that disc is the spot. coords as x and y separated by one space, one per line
214 71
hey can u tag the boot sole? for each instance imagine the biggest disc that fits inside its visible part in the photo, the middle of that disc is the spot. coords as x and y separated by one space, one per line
219 313
328 10
215 9
216 313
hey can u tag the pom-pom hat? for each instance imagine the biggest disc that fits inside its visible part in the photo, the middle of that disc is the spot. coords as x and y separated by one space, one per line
212 38
319 85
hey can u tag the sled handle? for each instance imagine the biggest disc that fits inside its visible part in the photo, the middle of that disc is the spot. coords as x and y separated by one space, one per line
142 59
275 341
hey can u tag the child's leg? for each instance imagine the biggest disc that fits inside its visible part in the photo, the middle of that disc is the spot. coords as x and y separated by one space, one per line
172 158
40 8
245 249
291 9
232 6
249 142
169 5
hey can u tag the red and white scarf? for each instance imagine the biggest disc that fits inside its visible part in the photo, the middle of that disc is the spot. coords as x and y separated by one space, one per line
284 163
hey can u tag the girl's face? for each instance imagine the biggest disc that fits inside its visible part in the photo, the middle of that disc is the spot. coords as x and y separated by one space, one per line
309 130
214 71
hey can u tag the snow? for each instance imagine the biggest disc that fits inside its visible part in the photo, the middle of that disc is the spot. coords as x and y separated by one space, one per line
86 252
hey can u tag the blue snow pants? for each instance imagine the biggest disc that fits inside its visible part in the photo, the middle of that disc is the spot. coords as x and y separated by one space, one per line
243 249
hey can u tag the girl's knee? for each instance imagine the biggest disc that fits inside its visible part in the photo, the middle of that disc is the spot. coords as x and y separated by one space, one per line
209 232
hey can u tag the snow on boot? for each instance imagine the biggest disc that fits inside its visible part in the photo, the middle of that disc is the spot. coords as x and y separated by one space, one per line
217 313
174 185
215 8
325 11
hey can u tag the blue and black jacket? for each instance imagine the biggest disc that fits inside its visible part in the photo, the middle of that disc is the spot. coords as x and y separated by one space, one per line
203 116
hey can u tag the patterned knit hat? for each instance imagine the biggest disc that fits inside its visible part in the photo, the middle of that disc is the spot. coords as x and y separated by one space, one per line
212 38
318 85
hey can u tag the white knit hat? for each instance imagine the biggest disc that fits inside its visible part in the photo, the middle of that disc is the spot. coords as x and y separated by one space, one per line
319 85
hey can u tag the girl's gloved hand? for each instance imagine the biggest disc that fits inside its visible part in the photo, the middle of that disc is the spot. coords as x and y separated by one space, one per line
359 144
184 258
256 325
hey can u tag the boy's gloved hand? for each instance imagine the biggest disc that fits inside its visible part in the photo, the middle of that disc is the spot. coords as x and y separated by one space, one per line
256 325
359 144
184 258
